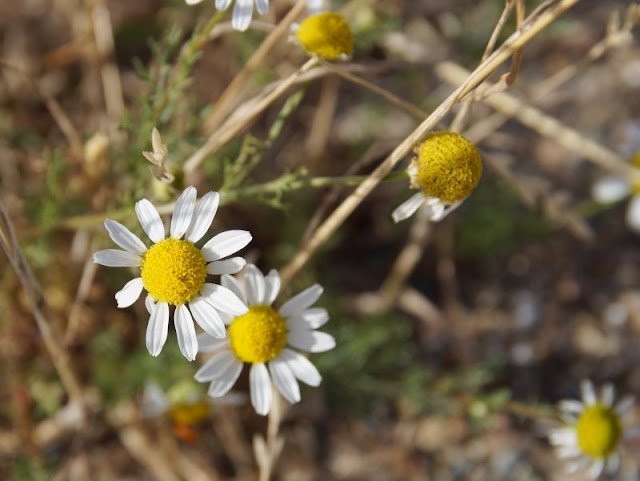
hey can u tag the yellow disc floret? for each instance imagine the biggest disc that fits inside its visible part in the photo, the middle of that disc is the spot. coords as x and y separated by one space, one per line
190 414
448 167
259 335
326 35
599 431
635 161
173 271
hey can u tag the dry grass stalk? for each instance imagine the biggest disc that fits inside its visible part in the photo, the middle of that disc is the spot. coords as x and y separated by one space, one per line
534 24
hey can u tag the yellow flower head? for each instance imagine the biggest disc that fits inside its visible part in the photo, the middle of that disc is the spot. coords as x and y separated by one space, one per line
326 35
259 335
599 431
447 167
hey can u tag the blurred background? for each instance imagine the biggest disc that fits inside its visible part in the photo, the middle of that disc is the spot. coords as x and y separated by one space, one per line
447 367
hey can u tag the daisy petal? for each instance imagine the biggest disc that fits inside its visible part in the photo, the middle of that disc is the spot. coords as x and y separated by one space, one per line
260 387
207 317
116 258
607 395
301 301
633 214
311 341
315 6
624 405
233 285
233 265
203 216
588 393
301 367
262 6
223 299
130 292
192 2
217 366
596 469
186 332
408 207
183 212
225 244
285 380
610 189
222 4
150 304
221 386
242 13
150 220
613 463
158 328
124 237
311 318
254 285
271 287
571 406
208 343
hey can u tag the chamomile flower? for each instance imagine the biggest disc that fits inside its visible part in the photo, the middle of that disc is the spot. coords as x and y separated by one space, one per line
446 169
614 188
326 35
173 270
594 430
243 9
263 337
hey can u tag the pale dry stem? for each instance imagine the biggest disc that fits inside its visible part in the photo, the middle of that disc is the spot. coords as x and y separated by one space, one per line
534 24
38 308
232 94
267 451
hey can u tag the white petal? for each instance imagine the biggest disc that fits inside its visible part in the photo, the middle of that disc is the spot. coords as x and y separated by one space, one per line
150 304
154 400
222 4
563 437
301 301
116 258
439 211
310 319
315 6
262 6
311 341
588 393
254 285
610 189
567 452
203 216
571 406
124 237
596 468
260 387
633 213
207 317
187 340
130 292
284 380
607 395
225 243
158 328
218 366
302 368
233 265
223 299
192 2
408 207
232 284
208 343
624 405
271 287
242 13
183 212
150 220
613 463
221 386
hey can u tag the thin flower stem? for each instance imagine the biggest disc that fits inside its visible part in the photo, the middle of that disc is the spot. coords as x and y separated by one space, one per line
274 442
534 24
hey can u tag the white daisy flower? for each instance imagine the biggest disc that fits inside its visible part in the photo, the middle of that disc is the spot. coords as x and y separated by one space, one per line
173 270
243 9
613 188
594 430
263 337
446 170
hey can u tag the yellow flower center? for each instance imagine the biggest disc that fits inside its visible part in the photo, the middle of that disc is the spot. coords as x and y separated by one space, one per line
259 335
326 35
190 414
173 271
447 167
599 431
